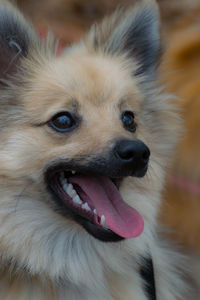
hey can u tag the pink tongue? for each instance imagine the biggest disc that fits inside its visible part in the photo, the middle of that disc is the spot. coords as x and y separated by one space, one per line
105 197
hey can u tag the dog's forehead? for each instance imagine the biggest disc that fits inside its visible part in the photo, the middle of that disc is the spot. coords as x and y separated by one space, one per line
94 73
92 78
88 80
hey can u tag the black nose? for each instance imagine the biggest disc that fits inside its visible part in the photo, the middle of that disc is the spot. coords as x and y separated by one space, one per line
133 155
128 151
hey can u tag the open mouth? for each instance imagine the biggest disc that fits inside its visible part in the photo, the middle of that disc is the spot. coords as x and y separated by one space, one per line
95 203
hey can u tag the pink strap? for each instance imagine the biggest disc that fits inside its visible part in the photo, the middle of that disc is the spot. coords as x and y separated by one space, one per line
184 184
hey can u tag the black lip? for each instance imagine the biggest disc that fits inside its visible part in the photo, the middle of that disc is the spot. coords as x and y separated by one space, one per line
105 164
98 232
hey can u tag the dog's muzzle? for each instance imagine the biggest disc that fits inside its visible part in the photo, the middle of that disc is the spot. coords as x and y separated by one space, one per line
86 189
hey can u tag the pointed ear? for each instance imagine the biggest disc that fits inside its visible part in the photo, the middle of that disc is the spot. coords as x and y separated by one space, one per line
16 38
135 32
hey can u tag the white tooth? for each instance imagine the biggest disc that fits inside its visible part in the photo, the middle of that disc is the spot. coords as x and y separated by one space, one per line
76 199
95 211
73 193
70 189
103 221
64 182
73 172
65 185
63 179
86 207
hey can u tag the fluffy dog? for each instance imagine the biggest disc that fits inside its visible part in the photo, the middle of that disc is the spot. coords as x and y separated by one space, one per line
85 140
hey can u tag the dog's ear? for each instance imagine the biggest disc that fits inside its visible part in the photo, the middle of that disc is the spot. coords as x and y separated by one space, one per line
135 32
16 38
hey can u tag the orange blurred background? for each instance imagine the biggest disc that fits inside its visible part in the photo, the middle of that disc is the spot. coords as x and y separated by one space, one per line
180 71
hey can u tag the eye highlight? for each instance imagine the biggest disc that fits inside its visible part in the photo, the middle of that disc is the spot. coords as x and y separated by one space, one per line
63 122
129 121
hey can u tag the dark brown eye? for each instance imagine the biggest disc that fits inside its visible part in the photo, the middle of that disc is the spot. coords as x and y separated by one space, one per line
128 121
63 122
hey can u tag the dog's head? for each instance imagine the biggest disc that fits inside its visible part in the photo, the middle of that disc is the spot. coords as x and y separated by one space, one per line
77 131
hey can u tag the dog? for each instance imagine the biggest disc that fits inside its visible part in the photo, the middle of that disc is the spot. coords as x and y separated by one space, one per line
86 137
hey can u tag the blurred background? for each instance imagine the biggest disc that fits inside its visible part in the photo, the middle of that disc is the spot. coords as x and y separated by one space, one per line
180 71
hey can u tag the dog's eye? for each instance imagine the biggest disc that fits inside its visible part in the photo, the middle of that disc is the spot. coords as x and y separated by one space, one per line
128 121
63 122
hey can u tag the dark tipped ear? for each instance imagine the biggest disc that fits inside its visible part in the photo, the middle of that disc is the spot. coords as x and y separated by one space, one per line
135 32
16 38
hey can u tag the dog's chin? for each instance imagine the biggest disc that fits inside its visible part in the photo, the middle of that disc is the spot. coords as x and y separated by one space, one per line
69 190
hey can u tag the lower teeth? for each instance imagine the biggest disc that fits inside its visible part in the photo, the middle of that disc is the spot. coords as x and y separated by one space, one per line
86 207
76 199
68 188
103 219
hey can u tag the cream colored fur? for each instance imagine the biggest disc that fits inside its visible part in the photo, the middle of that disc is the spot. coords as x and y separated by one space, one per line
43 254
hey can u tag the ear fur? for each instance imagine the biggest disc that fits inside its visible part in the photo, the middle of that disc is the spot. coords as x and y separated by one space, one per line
16 39
134 32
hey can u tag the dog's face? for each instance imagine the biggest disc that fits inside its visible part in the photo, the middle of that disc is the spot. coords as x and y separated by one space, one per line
77 132
91 136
